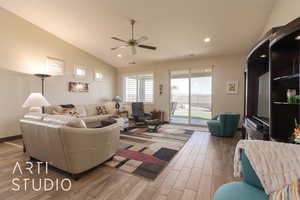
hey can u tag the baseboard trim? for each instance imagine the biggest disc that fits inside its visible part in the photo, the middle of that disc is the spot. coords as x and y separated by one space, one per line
11 138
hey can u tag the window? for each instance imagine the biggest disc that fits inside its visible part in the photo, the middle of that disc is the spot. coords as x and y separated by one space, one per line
80 72
98 76
138 88
54 67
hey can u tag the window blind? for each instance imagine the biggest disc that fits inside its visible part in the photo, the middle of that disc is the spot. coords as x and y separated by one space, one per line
131 89
139 88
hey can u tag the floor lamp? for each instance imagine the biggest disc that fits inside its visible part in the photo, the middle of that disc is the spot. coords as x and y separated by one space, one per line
43 77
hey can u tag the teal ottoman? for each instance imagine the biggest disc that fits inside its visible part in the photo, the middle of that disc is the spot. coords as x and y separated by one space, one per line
239 191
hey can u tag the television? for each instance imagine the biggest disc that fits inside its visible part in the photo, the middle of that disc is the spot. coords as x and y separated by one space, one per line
263 108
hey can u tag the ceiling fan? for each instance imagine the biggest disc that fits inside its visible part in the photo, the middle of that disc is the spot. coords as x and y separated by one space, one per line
133 43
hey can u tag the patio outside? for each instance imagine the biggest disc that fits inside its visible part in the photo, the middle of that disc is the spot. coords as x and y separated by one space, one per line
200 101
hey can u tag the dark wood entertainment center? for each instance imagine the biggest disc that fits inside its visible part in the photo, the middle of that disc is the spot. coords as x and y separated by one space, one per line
275 58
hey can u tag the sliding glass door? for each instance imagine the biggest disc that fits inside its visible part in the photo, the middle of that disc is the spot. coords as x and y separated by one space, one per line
190 99
179 105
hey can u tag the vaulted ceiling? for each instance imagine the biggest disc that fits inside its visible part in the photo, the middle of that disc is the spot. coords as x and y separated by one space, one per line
176 27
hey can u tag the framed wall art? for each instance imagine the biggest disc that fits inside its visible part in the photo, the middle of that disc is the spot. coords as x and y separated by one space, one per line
78 87
232 87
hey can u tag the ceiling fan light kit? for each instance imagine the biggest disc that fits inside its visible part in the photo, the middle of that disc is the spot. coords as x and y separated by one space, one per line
133 43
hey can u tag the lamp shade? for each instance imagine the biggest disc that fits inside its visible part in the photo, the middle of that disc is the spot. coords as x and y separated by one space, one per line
35 100
117 99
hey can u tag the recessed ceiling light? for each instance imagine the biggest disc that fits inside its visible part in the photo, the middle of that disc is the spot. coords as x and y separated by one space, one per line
207 39
263 56
119 55
297 38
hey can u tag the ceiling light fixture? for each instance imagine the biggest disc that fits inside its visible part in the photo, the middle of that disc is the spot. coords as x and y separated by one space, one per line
207 39
263 56
119 55
297 38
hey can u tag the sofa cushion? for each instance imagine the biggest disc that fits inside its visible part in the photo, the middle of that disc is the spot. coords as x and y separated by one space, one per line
90 119
91 109
34 116
58 119
101 117
239 191
81 110
77 123
110 107
95 118
53 109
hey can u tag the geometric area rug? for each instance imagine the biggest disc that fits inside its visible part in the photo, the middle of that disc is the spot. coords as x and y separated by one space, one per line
146 154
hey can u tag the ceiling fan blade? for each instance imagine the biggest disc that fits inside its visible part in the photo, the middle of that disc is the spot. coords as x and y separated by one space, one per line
133 50
118 39
141 39
120 47
147 47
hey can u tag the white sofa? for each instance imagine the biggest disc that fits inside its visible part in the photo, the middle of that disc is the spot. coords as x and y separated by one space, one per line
88 113
67 144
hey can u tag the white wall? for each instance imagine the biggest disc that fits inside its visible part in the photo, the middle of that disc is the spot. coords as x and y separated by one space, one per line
283 12
225 68
23 50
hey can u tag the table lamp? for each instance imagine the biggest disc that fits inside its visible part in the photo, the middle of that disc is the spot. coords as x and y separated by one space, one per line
117 99
35 101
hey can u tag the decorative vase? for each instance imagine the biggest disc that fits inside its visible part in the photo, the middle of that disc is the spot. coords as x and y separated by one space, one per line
291 96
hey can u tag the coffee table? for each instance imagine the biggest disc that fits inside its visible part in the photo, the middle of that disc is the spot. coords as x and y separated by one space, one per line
153 124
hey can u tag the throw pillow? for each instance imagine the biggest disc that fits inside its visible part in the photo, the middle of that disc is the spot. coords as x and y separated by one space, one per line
67 106
104 110
58 110
99 110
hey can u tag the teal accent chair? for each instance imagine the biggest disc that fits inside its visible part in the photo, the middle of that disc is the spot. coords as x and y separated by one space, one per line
224 125
249 189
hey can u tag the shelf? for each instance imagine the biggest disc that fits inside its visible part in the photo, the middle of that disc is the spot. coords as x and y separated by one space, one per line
286 77
285 103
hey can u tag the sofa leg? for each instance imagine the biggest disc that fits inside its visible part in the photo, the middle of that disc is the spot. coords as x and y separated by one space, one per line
75 177
32 159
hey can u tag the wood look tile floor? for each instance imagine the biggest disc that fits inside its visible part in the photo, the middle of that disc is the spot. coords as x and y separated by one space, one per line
201 166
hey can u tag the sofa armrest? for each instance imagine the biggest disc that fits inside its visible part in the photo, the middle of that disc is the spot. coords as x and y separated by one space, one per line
88 147
215 117
249 174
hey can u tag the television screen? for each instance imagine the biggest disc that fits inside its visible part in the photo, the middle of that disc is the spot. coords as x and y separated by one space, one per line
264 96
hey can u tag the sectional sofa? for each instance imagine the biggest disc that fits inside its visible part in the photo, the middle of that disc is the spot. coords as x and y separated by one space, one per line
67 143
